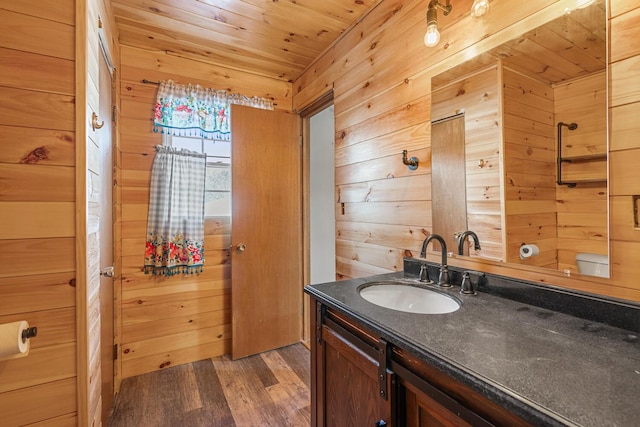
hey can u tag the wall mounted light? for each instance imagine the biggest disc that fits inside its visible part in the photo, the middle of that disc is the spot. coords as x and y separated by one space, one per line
479 8
432 36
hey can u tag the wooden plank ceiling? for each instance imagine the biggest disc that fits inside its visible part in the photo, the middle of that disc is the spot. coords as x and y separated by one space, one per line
274 38
571 46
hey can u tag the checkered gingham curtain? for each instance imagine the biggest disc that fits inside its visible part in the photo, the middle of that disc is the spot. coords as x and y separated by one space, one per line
175 227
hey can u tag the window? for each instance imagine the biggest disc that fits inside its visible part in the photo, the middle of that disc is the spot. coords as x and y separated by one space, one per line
217 199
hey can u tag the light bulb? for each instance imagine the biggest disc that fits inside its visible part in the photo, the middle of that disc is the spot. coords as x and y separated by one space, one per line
432 37
479 8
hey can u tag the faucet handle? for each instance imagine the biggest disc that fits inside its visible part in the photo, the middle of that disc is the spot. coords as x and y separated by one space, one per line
424 274
466 287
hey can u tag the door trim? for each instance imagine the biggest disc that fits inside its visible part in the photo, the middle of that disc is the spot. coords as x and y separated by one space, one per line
316 106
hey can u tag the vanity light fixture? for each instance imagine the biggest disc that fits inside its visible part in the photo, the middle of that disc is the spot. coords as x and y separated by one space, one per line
432 36
479 8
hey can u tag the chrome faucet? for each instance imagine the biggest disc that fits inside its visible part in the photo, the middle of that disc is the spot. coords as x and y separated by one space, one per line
443 278
462 237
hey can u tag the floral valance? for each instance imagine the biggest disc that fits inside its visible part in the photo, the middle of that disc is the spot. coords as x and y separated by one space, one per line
191 110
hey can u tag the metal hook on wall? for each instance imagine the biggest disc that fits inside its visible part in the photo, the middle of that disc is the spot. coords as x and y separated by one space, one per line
412 162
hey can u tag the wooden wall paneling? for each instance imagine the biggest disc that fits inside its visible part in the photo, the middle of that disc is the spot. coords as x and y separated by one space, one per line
384 257
411 212
624 147
623 172
410 188
381 168
50 364
407 115
37 206
55 399
622 219
34 219
623 126
46 73
323 71
348 268
477 95
180 356
624 32
44 110
398 236
61 12
529 167
162 304
623 84
413 139
22 145
170 326
142 64
24 33
28 183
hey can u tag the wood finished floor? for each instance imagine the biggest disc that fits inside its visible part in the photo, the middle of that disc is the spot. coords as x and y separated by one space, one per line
269 389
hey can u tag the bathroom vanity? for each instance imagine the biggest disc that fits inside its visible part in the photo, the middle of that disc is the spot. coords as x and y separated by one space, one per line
516 353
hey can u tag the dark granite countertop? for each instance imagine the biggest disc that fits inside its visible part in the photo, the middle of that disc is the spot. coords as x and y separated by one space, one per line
548 367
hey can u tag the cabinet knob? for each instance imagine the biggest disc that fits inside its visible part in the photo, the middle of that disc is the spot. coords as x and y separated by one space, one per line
381 423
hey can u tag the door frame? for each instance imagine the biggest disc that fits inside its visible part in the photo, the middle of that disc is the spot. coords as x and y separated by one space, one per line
108 58
322 102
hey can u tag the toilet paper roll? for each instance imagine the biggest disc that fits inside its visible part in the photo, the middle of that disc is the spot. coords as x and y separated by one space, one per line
11 343
527 251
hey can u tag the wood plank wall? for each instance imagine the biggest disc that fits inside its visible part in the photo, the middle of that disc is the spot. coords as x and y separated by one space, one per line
37 201
582 210
530 188
624 147
169 321
479 96
380 73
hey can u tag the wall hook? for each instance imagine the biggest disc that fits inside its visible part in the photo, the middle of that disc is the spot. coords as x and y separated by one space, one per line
412 162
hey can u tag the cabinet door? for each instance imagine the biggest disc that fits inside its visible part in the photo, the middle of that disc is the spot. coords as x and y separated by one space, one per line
423 411
350 384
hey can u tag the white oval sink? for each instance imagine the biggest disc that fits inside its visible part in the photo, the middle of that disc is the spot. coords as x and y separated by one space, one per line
409 299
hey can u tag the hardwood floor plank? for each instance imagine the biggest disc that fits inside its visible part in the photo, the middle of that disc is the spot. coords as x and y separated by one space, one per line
244 392
297 357
267 389
291 395
215 409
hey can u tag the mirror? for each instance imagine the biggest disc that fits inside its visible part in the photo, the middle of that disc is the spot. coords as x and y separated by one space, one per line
519 147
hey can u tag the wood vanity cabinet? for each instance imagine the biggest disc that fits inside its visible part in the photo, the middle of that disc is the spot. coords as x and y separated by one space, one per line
358 379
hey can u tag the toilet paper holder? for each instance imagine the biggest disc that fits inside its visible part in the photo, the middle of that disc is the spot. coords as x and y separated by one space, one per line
29 333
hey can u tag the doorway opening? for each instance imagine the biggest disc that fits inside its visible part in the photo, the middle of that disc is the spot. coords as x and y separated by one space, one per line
319 197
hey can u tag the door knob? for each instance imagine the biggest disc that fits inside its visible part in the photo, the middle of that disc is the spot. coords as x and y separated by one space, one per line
107 271
240 248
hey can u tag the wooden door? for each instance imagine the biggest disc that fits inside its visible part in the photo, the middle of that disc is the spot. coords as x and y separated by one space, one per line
266 230
448 182
105 140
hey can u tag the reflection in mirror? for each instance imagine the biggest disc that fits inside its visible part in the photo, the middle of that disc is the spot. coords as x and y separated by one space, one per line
496 124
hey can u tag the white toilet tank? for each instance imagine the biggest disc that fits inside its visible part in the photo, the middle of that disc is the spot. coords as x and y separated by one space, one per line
593 264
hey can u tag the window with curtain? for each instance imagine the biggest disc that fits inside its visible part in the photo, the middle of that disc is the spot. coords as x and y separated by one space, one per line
217 189
175 225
